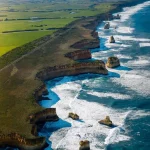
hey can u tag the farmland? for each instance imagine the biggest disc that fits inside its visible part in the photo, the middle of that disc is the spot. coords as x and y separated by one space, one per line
23 23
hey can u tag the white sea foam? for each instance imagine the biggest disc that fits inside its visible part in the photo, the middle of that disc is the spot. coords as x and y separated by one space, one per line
112 95
129 11
123 29
144 44
88 128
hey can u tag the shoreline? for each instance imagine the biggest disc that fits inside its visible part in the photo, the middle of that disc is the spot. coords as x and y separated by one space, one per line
100 19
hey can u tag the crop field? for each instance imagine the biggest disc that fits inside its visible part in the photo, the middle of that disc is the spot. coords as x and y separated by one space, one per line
23 23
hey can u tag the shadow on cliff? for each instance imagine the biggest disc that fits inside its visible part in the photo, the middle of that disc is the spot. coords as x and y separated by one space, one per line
50 127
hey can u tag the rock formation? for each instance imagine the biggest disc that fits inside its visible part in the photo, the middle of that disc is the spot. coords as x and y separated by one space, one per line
84 145
48 114
87 44
107 25
38 94
111 39
79 55
73 116
117 16
16 140
106 122
97 67
113 62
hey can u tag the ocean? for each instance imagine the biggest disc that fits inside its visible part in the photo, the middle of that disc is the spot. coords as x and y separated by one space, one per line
124 94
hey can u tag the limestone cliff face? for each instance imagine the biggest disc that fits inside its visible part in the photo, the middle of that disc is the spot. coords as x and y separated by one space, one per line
97 67
86 44
79 55
39 92
111 39
113 62
84 145
15 140
48 114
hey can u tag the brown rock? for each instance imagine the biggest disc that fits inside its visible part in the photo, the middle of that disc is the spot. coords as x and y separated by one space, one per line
111 39
79 55
113 62
84 145
117 16
107 26
106 121
73 116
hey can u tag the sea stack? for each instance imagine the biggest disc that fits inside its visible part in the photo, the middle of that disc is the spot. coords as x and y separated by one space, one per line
117 16
111 39
84 145
107 25
106 121
73 116
113 62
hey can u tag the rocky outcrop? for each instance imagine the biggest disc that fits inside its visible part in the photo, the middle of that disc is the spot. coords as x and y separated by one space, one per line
86 44
18 141
106 122
107 25
38 94
117 16
97 67
84 145
111 39
79 55
113 62
73 116
48 114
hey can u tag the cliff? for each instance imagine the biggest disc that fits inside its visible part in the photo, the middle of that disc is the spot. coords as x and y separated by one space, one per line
48 114
97 67
42 90
16 140
86 44
79 55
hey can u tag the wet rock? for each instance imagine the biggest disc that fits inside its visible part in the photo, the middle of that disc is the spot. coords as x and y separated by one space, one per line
111 39
73 116
106 121
113 62
84 145
107 26
117 16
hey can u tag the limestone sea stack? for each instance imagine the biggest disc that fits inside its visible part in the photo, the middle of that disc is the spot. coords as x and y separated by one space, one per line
107 25
117 16
84 145
73 116
106 121
111 39
113 62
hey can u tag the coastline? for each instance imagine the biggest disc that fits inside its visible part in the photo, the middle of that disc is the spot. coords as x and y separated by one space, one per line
95 21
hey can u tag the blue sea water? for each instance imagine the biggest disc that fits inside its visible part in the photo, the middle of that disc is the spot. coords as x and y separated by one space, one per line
124 94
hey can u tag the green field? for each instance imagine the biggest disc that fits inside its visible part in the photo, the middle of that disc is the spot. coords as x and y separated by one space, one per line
49 18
